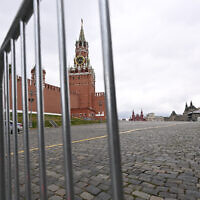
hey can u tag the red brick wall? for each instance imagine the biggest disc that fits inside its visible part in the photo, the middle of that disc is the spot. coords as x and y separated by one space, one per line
74 100
83 113
52 102
83 85
99 105
84 102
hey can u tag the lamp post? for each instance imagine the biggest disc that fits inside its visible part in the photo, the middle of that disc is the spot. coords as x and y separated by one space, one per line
100 106
31 99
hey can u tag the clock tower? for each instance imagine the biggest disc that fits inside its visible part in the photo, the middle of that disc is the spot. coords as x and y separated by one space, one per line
82 79
81 60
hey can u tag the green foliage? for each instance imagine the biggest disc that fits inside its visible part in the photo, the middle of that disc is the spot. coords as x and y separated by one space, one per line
78 121
57 119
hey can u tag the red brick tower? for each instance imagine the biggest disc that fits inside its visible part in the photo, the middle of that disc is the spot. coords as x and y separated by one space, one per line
82 80
133 116
33 75
141 116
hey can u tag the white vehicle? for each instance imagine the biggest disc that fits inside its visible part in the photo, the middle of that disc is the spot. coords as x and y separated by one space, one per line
19 127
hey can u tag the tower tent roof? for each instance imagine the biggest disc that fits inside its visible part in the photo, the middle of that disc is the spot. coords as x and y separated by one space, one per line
82 36
192 106
33 70
186 107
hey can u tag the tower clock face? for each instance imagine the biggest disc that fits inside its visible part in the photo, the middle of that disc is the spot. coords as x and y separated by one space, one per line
80 60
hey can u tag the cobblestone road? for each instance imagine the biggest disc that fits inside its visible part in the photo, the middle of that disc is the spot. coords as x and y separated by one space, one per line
159 161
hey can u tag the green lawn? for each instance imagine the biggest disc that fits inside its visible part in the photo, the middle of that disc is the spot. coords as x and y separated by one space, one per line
57 119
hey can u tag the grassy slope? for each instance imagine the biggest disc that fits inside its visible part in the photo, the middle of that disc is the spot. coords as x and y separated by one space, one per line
57 119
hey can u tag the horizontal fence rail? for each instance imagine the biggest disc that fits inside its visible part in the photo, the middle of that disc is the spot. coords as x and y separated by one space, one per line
10 188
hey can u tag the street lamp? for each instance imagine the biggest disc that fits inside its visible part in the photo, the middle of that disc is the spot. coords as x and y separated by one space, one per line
100 108
31 99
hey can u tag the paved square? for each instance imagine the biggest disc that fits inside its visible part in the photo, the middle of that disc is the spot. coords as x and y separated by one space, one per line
160 160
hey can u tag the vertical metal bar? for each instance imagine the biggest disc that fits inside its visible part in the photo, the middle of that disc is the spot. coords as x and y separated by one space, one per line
25 111
111 109
14 118
2 152
8 160
3 96
3 89
40 112
4 120
65 100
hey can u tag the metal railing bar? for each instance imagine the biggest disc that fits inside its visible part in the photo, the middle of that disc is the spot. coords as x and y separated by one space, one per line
1 66
40 104
2 156
111 109
65 101
2 150
25 112
14 118
24 13
3 89
8 152
4 121
4 117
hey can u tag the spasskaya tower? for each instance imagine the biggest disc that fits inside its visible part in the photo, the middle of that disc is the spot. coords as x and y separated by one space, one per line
81 59
86 102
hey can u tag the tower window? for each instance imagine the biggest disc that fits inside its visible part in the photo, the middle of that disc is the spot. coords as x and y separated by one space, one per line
80 43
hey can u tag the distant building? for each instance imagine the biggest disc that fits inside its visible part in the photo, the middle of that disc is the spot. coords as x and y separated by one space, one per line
191 113
153 117
189 109
176 117
194 115
137 117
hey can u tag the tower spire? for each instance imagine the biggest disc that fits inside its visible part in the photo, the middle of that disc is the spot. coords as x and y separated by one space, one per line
82 36
186 106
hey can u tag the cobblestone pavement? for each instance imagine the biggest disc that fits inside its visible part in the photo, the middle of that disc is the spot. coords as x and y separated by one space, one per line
159 161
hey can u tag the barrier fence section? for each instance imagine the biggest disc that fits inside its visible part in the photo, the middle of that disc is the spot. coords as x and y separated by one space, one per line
9 189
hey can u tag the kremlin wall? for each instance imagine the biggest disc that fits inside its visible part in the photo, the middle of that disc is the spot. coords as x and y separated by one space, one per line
85 102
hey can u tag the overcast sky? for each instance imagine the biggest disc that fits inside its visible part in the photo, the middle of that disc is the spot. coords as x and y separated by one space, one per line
156 46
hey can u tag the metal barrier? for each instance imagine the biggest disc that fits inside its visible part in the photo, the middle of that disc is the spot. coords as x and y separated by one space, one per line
17 29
